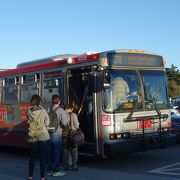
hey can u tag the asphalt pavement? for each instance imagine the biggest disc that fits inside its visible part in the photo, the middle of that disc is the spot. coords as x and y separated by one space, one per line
14 166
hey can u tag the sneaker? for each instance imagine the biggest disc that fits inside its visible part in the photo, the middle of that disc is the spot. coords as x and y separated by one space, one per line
58 173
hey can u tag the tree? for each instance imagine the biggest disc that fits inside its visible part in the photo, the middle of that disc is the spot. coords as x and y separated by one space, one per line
173 78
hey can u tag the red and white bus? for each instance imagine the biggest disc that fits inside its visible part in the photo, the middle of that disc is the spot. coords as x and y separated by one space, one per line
120 97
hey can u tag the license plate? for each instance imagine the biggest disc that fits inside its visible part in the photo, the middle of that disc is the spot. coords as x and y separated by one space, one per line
147 124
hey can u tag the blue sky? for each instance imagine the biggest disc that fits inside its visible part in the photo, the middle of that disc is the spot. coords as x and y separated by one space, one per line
34 29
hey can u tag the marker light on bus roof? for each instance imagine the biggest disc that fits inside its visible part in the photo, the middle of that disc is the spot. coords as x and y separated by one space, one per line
69 60
90 52
135 51
57 59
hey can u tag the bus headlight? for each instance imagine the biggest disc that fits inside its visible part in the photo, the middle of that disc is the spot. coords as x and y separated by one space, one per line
115 136
119 136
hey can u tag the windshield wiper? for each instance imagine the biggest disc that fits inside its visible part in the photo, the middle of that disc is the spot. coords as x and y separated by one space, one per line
130 114
153 101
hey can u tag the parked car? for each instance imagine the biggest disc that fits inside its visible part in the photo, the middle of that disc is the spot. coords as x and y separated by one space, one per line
174 110
176 99
176 102
175 125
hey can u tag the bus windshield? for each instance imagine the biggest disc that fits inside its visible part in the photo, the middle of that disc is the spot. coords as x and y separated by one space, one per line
126 92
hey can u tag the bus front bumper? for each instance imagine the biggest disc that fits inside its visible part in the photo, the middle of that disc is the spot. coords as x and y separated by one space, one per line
124 146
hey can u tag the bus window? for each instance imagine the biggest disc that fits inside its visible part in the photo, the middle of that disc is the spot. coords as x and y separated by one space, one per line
11 94
1 86
51 87
28 90
29 87
11 90
124 88
155 89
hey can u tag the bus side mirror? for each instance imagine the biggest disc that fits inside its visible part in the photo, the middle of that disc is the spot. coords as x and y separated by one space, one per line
106 81
106 85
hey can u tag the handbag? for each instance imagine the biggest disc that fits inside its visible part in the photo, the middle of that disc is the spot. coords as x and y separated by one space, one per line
76 138
66 131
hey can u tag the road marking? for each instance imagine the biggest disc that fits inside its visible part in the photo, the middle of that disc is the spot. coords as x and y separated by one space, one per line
167 169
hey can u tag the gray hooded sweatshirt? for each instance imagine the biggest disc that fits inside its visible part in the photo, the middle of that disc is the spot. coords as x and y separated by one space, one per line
62 118
39 114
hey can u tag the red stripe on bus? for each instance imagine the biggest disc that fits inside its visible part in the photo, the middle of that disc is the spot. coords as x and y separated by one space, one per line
84 58
33 67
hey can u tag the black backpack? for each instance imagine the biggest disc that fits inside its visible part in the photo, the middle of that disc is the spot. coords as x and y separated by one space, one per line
53 126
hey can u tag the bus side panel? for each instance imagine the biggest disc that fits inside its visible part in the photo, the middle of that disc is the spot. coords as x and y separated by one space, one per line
13 125
13 139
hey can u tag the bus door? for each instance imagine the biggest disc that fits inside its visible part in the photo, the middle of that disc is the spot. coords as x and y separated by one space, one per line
81 85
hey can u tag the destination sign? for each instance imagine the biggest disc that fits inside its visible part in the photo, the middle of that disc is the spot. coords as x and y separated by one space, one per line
52 74
142 60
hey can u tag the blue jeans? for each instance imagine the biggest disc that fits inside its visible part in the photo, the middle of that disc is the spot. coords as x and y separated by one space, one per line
53 153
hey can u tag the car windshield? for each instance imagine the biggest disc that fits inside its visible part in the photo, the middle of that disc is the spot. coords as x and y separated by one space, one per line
126 92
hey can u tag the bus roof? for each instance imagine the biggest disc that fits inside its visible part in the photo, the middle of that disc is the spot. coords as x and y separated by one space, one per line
62 60
45 60
50 62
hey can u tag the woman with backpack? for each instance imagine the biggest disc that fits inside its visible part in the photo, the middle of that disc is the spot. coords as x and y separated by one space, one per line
38 135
